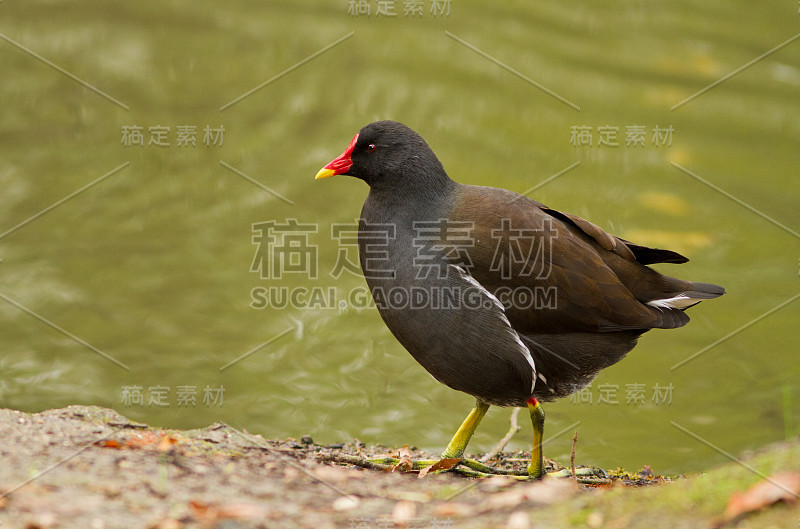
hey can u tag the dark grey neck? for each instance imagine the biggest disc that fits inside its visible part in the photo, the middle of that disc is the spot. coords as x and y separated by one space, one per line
412 200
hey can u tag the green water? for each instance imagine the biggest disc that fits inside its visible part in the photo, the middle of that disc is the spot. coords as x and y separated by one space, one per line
151 266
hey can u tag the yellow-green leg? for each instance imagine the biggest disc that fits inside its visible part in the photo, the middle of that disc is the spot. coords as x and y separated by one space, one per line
536 466
458 445
460 440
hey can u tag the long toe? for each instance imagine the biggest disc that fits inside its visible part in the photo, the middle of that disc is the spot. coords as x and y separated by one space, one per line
585 475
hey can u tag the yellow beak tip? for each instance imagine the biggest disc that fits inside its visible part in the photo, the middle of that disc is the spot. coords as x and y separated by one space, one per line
324 173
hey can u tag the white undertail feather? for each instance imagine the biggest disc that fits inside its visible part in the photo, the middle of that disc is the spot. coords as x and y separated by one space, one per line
681 301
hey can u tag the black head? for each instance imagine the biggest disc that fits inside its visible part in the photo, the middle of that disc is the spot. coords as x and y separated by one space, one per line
388 155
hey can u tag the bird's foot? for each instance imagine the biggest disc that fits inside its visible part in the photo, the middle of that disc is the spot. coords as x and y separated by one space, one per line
584 475
483 468
401 464
461 465
475 469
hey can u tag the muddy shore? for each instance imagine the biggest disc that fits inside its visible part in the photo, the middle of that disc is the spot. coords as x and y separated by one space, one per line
90 467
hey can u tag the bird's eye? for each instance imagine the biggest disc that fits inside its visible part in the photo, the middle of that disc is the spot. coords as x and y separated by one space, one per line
371 147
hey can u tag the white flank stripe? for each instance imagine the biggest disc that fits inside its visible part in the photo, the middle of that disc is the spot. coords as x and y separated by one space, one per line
523 348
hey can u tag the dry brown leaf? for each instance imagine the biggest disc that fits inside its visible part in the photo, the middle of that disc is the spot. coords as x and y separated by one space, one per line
167 442
405 464
162 441
108 443
783 486
142 439
200 509
443 464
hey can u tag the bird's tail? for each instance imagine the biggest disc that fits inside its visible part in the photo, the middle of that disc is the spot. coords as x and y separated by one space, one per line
689 297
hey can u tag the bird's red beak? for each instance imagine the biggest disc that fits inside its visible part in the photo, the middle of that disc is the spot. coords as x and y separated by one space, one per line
339 165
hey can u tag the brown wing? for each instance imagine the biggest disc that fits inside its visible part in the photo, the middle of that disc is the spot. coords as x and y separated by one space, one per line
582 279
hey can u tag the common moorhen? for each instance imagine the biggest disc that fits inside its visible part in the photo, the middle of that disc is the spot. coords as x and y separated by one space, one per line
495 294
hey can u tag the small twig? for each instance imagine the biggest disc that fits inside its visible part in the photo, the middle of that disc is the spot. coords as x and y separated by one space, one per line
572 456
468 467
352 460
514 428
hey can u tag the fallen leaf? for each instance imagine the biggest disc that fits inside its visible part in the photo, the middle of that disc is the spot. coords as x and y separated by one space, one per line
443 464
167 442
142 439
108 443
783 486
405 464
145 439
